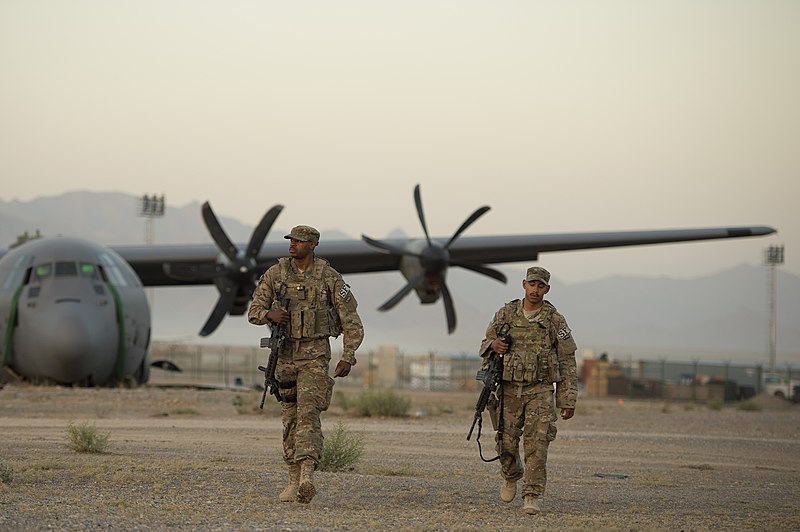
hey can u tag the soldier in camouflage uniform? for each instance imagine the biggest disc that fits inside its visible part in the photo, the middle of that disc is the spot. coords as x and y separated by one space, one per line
541 353
320 305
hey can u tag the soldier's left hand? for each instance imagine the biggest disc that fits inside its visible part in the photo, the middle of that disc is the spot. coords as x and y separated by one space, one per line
342 369
567 413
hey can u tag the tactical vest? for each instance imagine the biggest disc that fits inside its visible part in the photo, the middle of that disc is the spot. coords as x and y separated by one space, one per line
311 314
533 355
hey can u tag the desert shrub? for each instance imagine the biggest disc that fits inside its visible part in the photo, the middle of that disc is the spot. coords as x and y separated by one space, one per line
6 472
342 449
84 438
381 403
748 406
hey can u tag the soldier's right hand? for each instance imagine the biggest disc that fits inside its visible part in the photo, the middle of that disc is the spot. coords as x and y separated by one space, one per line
278 315
499 346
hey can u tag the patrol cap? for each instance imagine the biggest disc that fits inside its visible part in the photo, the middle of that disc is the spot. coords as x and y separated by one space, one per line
537 273
304 233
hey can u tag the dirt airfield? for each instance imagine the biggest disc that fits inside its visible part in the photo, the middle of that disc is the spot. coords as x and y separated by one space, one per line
209 460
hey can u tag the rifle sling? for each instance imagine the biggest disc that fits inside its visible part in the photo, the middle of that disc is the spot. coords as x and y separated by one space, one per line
500 427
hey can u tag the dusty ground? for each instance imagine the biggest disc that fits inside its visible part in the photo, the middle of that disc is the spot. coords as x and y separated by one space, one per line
208 460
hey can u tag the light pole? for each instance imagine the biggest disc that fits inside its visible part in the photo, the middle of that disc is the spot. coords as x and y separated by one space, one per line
773 257
151 207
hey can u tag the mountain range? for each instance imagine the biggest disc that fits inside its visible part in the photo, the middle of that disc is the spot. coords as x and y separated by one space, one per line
724 316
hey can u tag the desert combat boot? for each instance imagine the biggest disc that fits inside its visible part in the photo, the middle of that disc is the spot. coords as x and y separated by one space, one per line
306 489
289 494
530 505
508 490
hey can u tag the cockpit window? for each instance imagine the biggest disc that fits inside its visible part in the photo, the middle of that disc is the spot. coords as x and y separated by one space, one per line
118 271
18 272
17 275
42 271
111 270
89 271
66 269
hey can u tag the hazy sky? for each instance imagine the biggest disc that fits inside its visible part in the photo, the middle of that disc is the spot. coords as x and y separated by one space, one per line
562 116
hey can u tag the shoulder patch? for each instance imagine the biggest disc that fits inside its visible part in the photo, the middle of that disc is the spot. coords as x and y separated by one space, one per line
564 333
344 292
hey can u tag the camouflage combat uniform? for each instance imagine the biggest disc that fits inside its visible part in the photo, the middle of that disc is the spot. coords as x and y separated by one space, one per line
542 353
320 306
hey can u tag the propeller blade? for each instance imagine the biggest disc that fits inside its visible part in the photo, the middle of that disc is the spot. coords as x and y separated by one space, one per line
395 299
480 268
449 309
469 221
261 231
217 233
227 293
420 213
387 247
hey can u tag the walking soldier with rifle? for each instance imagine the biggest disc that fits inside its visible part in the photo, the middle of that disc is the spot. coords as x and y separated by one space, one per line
317 304
537 351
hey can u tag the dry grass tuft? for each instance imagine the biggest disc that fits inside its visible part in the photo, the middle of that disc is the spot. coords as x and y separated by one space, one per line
84 438
6 472
342 449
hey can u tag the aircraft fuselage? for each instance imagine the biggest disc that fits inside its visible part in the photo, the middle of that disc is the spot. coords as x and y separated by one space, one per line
72 312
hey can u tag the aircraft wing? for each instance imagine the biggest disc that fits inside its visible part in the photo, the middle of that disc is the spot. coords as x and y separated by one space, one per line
235 271
166 265
519 248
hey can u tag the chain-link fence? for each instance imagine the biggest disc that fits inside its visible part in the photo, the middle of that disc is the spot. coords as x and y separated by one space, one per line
387 367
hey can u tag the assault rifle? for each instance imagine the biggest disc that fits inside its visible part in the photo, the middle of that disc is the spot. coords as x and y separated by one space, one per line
492 378
275 343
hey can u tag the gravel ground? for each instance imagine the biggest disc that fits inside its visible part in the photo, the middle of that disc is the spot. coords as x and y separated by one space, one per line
209 460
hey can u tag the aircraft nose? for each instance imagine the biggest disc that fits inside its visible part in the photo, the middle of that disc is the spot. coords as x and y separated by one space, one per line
80 345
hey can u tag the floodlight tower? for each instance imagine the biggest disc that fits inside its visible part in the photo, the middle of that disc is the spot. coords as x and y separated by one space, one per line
773 257
151 207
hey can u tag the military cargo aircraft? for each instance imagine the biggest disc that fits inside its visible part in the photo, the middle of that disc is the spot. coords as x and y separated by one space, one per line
75 312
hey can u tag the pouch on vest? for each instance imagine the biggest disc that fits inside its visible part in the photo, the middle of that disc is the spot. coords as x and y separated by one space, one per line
334 323
309 323
327 323
296 324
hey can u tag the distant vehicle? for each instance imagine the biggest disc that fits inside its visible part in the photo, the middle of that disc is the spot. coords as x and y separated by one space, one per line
782 388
